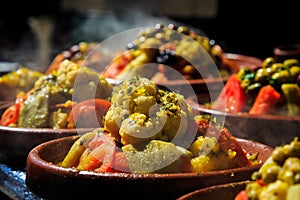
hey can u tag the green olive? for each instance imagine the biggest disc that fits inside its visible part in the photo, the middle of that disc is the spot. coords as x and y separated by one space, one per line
268 62
294 72
292 149
296 148
297 178
281 76
276 67
292 164
261 75
245 83
269 71
286 176
290 62
278 155
256 175
253 190
271 173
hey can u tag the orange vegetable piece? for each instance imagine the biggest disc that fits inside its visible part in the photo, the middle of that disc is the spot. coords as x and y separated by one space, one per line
99 155
242 195
265 101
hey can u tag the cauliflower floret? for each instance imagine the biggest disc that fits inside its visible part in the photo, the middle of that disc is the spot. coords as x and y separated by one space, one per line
140 113
113 120
138 128
84 80
67 73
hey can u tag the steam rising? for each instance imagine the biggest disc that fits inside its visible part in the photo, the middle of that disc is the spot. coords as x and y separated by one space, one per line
98 27
92 26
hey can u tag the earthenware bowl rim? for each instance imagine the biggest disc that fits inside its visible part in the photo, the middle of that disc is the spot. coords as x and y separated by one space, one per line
35 159
203 109
42 130
212 188
210 80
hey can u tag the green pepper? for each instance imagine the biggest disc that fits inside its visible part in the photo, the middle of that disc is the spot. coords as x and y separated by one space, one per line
292 95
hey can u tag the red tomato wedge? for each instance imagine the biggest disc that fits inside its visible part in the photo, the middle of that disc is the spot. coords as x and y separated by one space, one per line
229 142
99 155
88 114
11 114
242 195
232 98
265 101
118 65
226 140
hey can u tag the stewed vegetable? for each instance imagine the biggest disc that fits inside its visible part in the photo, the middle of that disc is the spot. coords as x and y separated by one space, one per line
149 130
49 103
173 51
271 89
278 178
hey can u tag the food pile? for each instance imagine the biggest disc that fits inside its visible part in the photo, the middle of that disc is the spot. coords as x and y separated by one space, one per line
272 89
278 177
169 52
21 80
52 103
150 130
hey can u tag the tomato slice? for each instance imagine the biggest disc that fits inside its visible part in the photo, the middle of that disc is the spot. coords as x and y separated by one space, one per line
242 195
118 65
99 155
229 142
89 113
11 114
265 101
232 97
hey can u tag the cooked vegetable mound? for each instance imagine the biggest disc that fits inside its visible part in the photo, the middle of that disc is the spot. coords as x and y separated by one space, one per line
150 130
278 177
141 112
48 103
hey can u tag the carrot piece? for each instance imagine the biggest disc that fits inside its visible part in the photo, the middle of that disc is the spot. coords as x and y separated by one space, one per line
118 64
99 156
265 101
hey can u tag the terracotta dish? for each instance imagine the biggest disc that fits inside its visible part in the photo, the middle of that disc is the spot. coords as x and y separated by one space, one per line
287 51
15 143
48 180
235 61
219 192
269 129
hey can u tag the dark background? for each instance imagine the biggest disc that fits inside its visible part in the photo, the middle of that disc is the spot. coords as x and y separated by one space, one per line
243 27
